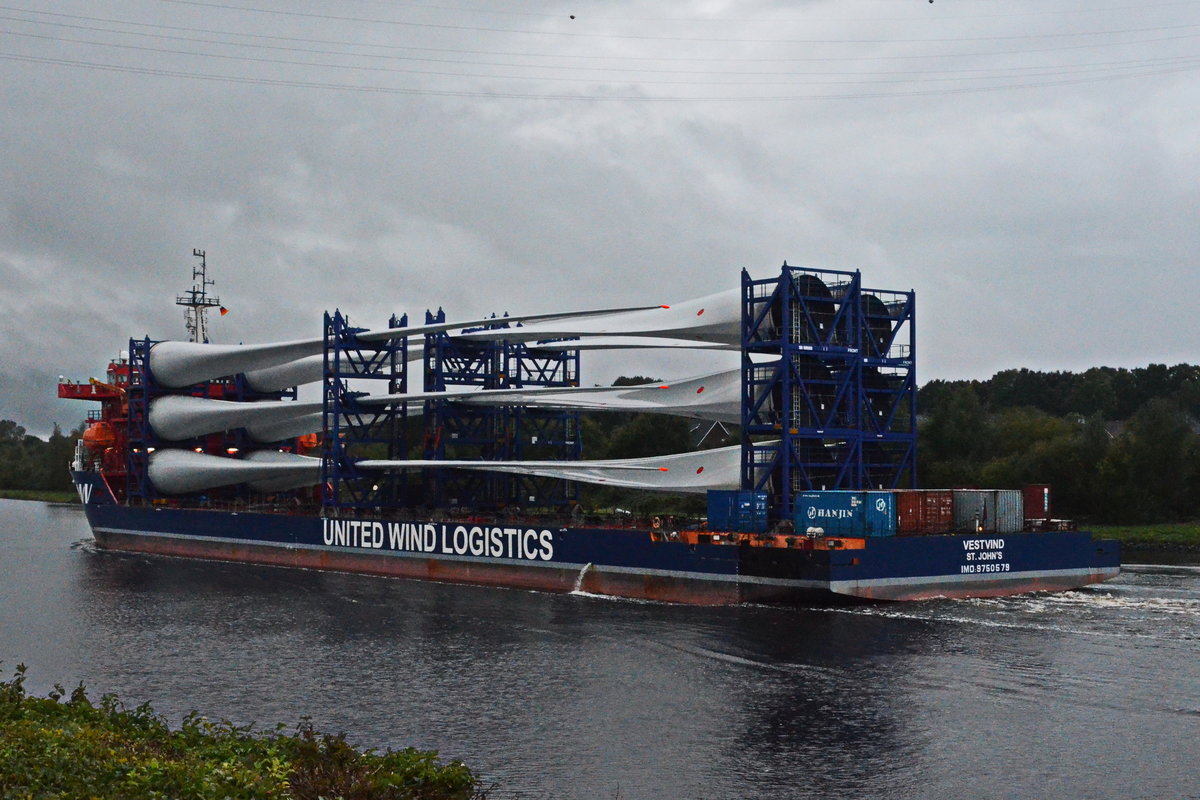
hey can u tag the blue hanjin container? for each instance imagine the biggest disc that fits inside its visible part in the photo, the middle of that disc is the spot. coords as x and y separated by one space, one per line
846 513
737 510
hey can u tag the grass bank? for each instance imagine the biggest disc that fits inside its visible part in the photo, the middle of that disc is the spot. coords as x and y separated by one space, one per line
1169 537
66 746
45 495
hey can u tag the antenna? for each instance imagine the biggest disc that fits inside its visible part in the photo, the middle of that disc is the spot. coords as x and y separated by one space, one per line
196 301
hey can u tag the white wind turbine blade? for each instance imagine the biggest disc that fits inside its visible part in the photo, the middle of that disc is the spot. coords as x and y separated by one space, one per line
715 318
688 473
184 472
179 364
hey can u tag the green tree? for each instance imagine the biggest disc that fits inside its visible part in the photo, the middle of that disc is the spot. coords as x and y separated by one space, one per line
14 456
1035 447
1093 393
27 462
651 435
57 454
11 432
952 438
1150 472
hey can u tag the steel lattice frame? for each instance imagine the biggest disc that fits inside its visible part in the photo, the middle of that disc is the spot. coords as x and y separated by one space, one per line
831 401
543 434
140 438
350 428
456 430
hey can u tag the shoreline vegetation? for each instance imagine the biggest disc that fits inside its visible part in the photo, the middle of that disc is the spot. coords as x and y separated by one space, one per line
42 495
66 746
1176 537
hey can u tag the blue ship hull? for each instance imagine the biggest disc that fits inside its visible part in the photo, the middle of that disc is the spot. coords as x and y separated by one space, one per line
709 569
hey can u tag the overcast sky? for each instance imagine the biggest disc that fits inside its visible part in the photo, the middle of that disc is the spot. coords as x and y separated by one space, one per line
1030 167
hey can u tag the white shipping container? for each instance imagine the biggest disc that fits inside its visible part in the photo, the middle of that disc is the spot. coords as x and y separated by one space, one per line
989 510
971 512
1010 511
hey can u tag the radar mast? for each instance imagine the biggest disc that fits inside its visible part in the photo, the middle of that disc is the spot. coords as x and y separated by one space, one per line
196 301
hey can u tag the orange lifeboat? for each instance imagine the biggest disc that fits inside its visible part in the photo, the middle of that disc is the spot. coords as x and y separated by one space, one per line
99 436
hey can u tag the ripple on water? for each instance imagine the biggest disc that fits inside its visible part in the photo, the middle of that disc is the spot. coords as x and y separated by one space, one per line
1127 607
1051 695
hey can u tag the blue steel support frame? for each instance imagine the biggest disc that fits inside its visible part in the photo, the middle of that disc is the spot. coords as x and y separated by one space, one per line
351 428
830 404
889 389
139 436
496 433
543 434
460 431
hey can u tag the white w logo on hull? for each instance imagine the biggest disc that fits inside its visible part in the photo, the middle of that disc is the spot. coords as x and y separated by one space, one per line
85 492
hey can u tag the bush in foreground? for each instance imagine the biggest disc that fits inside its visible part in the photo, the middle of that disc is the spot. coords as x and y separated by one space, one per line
68 747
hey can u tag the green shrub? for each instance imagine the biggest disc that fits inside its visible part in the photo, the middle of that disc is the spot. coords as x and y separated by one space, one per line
74 748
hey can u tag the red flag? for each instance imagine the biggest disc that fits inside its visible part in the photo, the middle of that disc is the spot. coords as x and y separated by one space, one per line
224 311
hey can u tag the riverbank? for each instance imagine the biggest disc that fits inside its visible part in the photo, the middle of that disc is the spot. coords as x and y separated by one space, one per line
42 495
1168 542
66 746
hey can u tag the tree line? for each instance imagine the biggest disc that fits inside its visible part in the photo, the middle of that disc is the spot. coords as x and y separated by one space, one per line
1116 445
28 462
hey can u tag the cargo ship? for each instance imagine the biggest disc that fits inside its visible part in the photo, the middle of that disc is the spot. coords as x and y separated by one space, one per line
206 451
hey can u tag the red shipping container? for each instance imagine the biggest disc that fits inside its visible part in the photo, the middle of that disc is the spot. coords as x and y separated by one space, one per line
1037 501
924 510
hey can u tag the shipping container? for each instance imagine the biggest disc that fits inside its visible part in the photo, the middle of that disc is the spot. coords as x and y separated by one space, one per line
988 510
737 510
1037 501
1010 511
974 511
924 510
846 513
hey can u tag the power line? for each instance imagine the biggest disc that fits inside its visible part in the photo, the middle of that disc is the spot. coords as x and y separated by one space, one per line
481 29
878 78
614 77
557 55
723 20
573 68
239 79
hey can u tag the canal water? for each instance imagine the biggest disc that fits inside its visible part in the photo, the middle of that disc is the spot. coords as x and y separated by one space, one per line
1087 694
